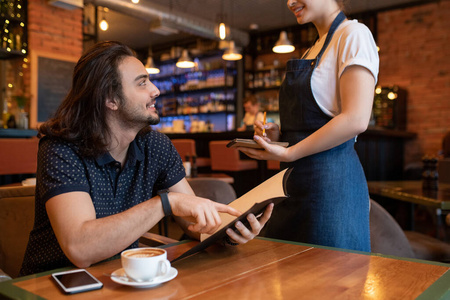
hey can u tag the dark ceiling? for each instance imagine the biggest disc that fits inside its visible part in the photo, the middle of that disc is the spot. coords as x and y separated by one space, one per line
240 14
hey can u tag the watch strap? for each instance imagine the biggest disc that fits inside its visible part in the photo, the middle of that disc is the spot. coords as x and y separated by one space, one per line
165 202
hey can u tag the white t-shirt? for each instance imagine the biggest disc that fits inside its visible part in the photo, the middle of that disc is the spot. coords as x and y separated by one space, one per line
352 44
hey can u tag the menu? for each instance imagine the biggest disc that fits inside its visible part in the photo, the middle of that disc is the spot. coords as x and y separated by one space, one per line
273 190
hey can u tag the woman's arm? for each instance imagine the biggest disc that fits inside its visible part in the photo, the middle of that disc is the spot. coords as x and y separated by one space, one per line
356 91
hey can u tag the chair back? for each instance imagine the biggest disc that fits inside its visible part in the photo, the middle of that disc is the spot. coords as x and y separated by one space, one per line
386 235
18 156
185 147
16 222
213 189
228 159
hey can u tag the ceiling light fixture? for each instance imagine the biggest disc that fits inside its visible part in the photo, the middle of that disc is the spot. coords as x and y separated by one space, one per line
104 24
231 53
135 1
185 61
283 45
150 66
222 30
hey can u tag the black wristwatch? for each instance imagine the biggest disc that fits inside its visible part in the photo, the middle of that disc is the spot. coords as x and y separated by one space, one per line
165 202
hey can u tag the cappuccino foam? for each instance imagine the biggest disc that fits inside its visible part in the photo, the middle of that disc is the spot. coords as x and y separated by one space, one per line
144 253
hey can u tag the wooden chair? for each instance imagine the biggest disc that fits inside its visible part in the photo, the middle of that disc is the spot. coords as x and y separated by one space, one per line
228 159
18 156
186 147
244 171
16 222
273 165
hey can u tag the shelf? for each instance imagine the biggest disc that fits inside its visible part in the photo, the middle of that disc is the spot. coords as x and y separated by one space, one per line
198 114
170 76
4 54
261 89
198 91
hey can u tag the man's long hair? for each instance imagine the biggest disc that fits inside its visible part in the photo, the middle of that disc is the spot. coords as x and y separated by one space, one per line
81 117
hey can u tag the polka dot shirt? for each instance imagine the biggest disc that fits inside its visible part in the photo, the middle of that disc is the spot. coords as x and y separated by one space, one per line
153 164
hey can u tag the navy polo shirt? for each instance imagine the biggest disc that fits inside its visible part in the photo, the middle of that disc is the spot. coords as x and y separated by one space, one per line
152 164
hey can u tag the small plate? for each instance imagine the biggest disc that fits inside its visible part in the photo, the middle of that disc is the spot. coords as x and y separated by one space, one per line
145 284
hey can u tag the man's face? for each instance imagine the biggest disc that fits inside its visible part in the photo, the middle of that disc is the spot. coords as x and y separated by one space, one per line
137 106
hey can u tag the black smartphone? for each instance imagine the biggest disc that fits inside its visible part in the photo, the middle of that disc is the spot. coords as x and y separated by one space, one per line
76 281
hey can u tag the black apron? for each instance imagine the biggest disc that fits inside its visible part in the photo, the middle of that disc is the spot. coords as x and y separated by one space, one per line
329 203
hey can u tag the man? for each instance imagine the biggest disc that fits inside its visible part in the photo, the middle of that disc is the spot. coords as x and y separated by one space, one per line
100 166
252 113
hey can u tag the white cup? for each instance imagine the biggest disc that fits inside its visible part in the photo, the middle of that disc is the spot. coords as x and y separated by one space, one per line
187 168
145 264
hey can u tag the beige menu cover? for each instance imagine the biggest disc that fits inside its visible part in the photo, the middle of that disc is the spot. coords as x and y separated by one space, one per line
255 201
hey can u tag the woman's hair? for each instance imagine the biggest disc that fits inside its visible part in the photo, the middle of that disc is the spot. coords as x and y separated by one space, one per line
81 117
342 4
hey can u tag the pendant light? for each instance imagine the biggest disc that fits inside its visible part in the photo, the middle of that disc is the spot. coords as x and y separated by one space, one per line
103 23
185 61
222 30
283 45
231 53
150 67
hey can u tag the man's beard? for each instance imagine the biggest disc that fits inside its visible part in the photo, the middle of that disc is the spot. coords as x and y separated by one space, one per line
132 117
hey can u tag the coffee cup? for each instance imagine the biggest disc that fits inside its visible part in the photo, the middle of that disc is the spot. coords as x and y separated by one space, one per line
145 264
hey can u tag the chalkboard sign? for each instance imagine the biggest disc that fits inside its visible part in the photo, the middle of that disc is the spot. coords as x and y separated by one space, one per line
54 82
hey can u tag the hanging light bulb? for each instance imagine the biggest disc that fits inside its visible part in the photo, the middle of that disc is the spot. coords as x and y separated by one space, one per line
185 61
231 53
222 31
103 24
135 1
283 45
150 67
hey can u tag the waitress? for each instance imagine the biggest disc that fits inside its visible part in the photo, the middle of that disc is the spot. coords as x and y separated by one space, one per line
325 102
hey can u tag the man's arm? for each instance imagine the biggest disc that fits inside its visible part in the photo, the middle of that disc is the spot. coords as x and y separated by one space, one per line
86 240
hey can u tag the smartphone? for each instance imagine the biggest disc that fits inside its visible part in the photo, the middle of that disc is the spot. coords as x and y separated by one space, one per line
76 281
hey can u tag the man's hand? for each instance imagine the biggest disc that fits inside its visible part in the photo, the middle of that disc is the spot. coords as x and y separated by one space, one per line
202 213
256 225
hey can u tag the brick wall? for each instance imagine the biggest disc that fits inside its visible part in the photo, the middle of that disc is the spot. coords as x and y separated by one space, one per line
415 54
53 31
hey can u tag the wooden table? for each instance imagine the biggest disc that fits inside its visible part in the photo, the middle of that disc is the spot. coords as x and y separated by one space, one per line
412 192
265 269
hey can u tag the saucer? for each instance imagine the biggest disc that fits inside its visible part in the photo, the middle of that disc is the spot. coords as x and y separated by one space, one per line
145 284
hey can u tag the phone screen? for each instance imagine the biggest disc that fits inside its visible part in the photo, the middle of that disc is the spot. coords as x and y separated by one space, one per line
76 281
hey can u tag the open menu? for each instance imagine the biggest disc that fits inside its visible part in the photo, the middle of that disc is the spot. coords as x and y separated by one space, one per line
273 190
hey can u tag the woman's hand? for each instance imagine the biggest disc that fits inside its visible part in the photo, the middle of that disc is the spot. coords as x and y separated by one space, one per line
270 152
272 132
247 234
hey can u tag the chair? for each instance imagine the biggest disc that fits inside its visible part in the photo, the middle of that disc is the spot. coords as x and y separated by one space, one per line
16 222
228 160
388 238
18 156
186 147
213 189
